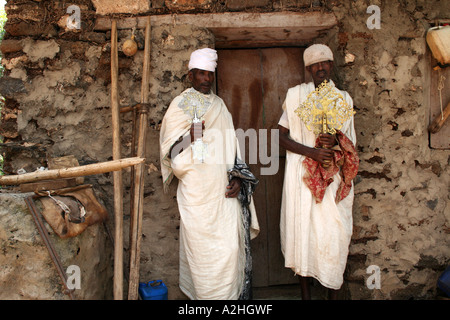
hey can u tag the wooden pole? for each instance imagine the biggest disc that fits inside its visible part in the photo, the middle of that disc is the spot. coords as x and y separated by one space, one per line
118 186
138 207
132 178
72 172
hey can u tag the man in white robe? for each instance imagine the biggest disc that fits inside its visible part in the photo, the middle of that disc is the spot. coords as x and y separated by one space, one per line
316 233
199 147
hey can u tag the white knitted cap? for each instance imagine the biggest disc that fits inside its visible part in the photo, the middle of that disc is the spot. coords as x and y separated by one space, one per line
317 53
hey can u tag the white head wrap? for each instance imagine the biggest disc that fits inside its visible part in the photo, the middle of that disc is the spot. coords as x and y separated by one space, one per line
204 59
317 53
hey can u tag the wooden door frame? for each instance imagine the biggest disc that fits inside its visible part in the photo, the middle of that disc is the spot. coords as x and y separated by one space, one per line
241 29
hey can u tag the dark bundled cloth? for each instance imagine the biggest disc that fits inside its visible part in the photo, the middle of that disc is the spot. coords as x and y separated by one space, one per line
248 185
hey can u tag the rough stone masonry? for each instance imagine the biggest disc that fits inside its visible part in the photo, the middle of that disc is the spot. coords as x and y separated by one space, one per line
56 86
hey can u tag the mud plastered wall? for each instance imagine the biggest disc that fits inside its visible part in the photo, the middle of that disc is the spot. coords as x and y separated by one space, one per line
58 101
28 272
401 215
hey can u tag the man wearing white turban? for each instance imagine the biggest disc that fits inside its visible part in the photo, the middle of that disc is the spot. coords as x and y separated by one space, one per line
214 193
316 209
204 59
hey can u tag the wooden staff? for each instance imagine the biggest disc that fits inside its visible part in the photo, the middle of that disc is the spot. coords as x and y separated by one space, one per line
138 206
118 186
72 172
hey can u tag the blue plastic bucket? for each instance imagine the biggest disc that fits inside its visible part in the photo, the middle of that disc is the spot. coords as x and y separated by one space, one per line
444 281
153 290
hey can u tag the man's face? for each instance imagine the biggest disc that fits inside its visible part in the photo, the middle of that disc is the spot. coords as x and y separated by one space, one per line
320 71
201 80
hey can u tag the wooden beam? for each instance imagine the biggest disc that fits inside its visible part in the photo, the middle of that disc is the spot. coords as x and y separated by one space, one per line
125 109
241 29
118 180
73 172
138 191
241 20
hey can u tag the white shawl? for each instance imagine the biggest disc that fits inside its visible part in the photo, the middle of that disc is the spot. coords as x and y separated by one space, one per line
212 256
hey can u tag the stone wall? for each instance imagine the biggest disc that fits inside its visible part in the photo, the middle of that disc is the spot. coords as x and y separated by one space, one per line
57 85
57 91
401 212
26 268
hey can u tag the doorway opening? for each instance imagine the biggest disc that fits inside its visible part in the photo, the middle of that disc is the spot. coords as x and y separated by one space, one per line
260 58
253 84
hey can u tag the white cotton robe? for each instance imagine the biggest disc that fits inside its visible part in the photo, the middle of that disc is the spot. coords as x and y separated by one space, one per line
315 237
212 256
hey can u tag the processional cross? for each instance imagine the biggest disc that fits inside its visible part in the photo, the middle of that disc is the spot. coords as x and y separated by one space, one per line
324 110
195 105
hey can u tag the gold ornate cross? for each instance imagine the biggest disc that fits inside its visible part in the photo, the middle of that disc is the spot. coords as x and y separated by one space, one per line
324 110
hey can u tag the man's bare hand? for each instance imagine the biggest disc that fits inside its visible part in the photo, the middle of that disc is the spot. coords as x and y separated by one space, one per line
322 155
197 130
327 140
233 188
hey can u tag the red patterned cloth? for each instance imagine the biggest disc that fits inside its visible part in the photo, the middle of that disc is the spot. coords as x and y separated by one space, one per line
318 178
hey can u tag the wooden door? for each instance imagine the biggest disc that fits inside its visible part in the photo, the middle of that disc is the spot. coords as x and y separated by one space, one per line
253 83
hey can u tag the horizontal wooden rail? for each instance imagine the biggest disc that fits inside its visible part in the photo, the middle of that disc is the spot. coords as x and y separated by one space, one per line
90 169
